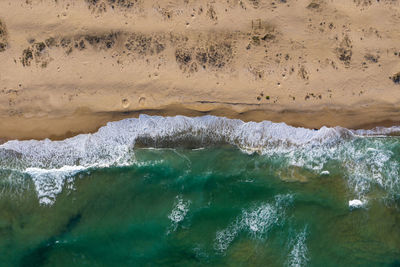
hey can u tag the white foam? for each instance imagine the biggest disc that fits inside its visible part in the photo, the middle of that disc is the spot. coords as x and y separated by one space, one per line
178 213
378 131
298 255
49 182
259 220
366 161
112 143
256 221
357 203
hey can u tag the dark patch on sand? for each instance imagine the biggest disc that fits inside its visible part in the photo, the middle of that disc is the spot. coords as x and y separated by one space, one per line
254 3
211 13
312 95
185 59
372 58
145 45
396 78
105 41
313 5
80 44
367 3
344 51
213 55
303 74
261 33
101 6
3 37
363 2
27 56
50 42
39 51
316 5
66 43
36 51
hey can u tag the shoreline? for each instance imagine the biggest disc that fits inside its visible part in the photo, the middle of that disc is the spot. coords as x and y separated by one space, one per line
84 121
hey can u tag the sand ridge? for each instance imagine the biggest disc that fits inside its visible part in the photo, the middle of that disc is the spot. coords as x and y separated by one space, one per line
77 64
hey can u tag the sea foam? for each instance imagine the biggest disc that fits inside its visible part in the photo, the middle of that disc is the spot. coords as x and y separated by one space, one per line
356 204
49 182
366 161
257 221
178 213
298 255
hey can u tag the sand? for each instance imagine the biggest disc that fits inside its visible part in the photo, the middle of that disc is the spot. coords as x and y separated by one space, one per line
68 67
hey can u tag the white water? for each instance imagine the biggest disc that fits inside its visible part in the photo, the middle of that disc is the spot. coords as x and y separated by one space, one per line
256 221
178 213
357 203
49 183
366 161
298 255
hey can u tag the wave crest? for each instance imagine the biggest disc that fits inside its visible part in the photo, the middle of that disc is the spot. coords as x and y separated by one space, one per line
366 161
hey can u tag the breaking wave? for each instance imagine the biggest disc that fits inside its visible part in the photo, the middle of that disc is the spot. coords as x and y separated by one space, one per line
366 159
178 213
298 255
257 221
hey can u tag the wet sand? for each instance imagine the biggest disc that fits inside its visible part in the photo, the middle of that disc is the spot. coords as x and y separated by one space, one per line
85 121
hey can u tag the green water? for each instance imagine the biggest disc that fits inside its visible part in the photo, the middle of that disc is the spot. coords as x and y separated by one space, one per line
216 206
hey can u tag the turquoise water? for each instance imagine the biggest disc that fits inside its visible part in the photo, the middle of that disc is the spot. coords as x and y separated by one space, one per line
202 191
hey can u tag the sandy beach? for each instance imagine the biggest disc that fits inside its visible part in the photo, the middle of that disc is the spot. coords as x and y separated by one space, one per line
69 67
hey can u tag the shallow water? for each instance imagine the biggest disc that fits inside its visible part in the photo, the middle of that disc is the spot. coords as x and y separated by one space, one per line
214 192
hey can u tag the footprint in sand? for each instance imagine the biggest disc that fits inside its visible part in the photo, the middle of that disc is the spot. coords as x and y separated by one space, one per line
125 103
142 100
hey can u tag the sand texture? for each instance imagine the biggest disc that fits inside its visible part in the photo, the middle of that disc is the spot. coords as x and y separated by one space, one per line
68 67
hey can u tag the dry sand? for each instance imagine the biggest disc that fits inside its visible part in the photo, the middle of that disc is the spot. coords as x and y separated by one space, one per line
68 67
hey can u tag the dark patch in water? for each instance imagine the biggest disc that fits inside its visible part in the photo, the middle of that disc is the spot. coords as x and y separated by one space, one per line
180 141
38 256
71 224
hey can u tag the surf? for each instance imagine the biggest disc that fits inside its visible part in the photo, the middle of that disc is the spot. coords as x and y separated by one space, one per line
367 156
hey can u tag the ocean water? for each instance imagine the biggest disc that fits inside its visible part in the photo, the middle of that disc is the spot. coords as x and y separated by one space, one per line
178 191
